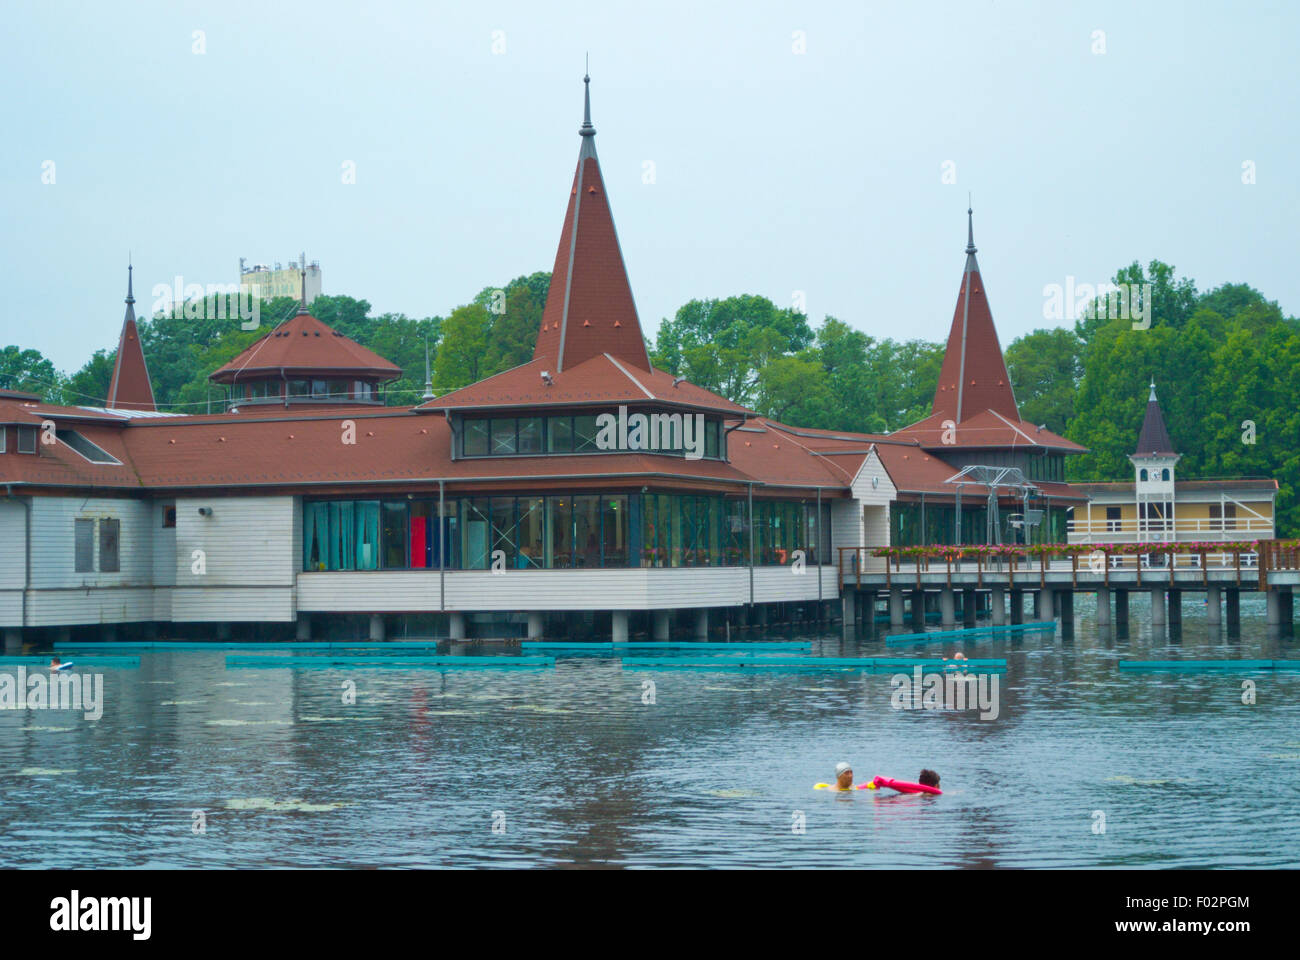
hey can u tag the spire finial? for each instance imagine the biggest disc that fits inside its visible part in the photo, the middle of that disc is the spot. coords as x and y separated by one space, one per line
302 270
428 373
1152 397
970 226
586 130
130 295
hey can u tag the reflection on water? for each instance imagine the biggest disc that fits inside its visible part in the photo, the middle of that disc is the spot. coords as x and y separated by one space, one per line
579 770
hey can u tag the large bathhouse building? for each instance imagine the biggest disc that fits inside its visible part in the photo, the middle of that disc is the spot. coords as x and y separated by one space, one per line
584 491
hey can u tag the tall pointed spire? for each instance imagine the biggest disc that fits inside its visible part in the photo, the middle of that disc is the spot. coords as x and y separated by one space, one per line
589 307
1154 440
974 375
130 388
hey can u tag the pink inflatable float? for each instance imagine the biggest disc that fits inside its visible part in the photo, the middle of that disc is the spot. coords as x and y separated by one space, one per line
902 786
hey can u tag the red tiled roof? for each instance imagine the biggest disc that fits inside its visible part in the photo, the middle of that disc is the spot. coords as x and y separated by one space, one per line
589 307
987 428
130 387
974 375
305 346
601 380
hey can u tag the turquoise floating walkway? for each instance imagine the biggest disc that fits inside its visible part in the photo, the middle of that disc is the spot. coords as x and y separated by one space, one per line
1208 666
219 645
125 662
937 636
403 662
815 663
667 645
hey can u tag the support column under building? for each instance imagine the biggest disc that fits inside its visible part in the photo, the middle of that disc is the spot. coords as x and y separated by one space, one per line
895 606
1017 606
1232 607
1175 606
849 606
376 627
1043 605
946 614
1214 604
1157 605
1121 608
918 608
618 626
456 625
303 631
702 623
968 602
661 622
1287 599
534 625
998 606
1273 604
1103 606
13 639
1064 600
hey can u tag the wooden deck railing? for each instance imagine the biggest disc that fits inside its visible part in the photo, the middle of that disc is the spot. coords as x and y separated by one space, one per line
1264 557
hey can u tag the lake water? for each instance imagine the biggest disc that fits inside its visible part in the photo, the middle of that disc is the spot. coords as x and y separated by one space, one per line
568 766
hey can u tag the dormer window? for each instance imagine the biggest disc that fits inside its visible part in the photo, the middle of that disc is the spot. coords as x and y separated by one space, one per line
26 439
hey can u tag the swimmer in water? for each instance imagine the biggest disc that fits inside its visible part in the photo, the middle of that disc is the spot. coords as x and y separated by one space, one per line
843 778
54 663
928 778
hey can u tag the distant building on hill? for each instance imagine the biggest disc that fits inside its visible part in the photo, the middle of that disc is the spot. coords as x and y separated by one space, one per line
266 282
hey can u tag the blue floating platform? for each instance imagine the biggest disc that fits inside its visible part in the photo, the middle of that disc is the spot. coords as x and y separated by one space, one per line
405 663
815 663
87 661
747 647
220 645
969 633
1208 666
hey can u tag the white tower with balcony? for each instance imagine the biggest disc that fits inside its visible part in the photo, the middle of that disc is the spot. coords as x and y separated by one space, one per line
1154 463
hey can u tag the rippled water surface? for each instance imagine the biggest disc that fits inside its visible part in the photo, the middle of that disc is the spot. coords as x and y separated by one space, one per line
572 767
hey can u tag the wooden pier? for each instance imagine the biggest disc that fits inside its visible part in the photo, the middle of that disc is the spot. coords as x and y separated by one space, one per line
986 578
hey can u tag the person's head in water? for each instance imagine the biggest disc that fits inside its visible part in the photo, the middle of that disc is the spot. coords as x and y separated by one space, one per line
843 775
928 778
54 661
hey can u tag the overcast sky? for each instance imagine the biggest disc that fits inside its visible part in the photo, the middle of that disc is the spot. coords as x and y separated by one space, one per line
774 170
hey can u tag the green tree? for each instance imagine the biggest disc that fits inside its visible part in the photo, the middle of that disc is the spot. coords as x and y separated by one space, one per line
29 371
1045 367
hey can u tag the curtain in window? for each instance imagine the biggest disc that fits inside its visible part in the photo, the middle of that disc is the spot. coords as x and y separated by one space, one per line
367 536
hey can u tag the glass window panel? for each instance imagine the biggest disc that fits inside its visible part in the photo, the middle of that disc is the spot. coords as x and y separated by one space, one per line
367 535
504 431
396 535
26 439
475 527
584 435
559 552
712 442
530 434
504 531
586 530
84 541
532 532
476 438
559 434
614 524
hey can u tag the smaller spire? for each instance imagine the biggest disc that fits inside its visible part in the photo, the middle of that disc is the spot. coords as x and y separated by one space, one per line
970 226
428 374
586 130
1152 398
130 295
302 269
